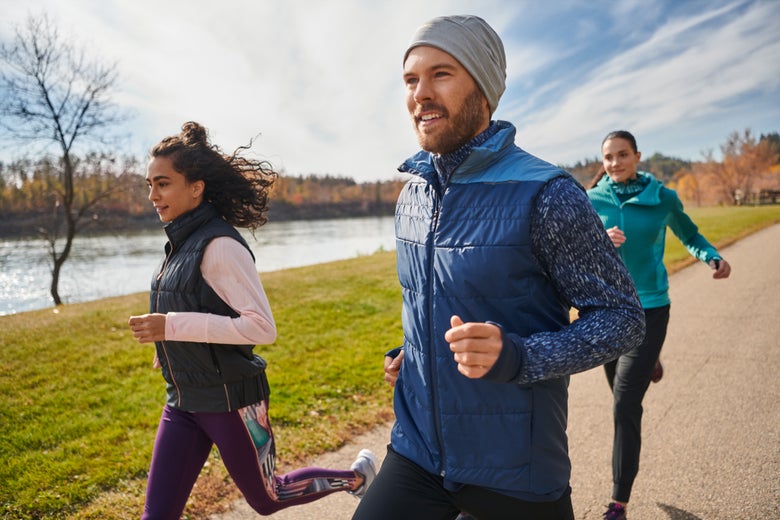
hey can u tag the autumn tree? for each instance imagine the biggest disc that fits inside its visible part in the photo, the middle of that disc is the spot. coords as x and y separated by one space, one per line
686 184
55 95
746 163
773 141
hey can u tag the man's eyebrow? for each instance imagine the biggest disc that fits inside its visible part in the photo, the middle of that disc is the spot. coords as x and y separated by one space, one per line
435 66
444 65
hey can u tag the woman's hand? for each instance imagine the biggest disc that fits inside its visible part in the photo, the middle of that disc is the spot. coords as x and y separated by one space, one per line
148 328
617 236
721 267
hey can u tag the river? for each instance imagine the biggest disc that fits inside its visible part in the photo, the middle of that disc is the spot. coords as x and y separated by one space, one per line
115 265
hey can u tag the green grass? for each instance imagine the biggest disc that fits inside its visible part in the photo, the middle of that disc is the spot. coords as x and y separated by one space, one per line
79 401
722 226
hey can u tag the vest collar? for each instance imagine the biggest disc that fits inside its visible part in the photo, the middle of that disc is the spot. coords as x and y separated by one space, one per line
481 153
182 227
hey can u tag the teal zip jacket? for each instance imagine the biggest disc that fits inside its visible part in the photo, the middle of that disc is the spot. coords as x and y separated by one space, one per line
644 219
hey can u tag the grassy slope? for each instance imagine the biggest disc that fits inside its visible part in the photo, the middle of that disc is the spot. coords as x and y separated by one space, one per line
79 402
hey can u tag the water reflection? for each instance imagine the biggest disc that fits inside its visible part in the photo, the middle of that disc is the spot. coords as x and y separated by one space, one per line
105 266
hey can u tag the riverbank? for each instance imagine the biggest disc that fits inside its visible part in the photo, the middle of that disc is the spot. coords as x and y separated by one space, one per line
117 264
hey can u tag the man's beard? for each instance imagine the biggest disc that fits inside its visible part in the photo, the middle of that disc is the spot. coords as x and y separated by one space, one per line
463 126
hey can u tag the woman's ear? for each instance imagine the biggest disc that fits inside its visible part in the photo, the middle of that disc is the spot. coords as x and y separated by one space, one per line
197 188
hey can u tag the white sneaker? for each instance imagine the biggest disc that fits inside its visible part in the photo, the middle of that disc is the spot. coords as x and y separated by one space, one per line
366 464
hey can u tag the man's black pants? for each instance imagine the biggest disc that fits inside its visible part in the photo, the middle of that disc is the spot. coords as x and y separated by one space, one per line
402 489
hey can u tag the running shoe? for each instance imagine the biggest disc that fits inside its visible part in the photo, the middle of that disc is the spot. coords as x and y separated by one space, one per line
615 512
658 372
365 464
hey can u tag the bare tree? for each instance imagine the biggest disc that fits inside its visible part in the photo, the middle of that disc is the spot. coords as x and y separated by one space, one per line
53 93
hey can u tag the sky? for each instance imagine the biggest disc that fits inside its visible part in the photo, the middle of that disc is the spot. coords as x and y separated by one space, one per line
318 84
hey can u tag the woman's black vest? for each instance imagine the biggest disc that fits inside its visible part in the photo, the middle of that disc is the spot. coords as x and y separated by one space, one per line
201 377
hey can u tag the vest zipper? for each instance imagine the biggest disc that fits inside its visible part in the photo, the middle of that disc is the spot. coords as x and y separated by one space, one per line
431 321
162 343
215 360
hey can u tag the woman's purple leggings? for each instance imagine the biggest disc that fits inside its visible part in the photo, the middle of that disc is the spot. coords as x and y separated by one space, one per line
246 445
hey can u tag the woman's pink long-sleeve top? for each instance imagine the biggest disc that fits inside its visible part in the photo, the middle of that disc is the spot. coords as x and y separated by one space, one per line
228 268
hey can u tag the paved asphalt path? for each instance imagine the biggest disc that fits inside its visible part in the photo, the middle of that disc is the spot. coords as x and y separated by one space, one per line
711 442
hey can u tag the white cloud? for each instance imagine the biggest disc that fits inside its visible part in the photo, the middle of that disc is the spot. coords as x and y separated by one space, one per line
320 82
686 73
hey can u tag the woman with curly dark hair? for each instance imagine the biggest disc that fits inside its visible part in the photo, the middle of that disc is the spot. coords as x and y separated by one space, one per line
208 309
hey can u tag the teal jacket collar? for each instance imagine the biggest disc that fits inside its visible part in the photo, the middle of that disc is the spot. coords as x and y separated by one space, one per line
649 196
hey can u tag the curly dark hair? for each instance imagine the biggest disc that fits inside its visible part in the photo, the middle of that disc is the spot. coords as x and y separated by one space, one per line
236 186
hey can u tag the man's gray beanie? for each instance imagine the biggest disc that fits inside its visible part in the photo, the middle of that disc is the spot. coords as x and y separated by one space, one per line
471 41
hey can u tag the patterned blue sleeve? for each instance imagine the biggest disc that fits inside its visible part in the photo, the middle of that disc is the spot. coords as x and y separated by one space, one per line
572 246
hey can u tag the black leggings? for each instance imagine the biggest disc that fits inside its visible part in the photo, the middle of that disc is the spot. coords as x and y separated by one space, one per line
402 489
629 377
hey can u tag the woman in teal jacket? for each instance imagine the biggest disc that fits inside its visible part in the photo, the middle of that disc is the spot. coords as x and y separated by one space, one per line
636 209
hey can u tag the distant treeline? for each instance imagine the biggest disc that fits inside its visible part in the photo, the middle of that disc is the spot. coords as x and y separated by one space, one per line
314 197
112 192
117 195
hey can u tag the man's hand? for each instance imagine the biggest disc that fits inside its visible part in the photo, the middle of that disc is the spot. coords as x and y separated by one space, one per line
148 328
476 346
392 367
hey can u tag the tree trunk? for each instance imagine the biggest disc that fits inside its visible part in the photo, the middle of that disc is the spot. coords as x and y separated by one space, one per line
55 281
70 233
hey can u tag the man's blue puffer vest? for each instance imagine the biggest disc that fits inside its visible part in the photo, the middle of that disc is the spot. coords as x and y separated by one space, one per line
469 253
201 377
